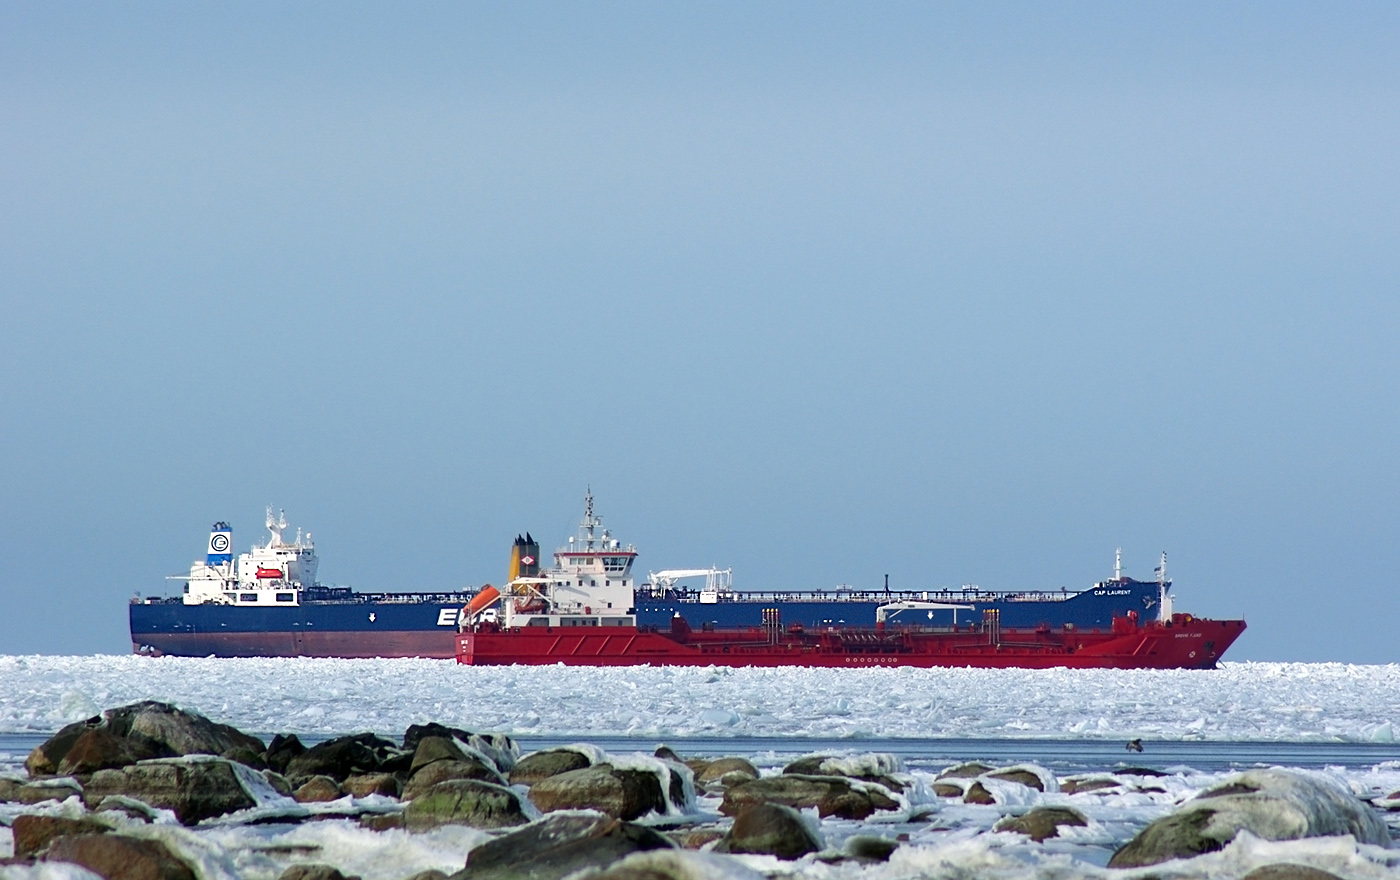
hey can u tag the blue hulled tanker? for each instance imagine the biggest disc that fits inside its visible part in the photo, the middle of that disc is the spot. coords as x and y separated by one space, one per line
266 602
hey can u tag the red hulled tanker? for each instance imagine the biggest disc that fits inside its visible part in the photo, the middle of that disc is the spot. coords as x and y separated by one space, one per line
582 612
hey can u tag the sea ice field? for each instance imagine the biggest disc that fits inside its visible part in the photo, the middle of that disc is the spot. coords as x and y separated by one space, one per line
859 712
1237 702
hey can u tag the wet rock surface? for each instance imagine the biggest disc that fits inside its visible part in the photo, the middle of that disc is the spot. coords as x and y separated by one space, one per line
1269 804
117 857
543 764
465 802
386 784
723 772
33 834
557 846
193 790
430 775
617 792
771 829
828 795
1041 823
345 756
316 790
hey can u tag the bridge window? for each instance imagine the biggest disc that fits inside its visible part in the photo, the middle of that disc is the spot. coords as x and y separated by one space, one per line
286 597
247 597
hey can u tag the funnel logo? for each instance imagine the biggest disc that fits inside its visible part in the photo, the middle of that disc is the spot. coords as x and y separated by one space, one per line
220 545
527 560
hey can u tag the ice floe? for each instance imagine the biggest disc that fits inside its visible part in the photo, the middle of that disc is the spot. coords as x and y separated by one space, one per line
1239 701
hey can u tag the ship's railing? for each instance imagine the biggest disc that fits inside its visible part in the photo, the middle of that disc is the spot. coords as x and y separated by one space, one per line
882 596
352 598
341 596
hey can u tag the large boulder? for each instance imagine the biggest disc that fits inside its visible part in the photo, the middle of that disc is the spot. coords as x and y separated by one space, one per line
669 864
281 751
970 770
116 857
830 795
1021 775
620 793
184 733
416 733
544 764
149 729
1271 804
38 790
497 748
878 767
435 748
1085 784
723 772
44 759
318 790
33 834
314 871
194 789
442 771
771 829
345 756
870 847
100 748
1041 823
558 845
465 802
386 784
977 793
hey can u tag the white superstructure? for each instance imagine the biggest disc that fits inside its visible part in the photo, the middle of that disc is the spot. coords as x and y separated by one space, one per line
589 585
273 574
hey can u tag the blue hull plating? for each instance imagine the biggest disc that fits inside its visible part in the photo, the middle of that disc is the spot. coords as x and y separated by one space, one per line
1089 609
423 625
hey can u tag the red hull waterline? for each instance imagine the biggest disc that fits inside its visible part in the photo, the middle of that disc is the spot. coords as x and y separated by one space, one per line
355 645
1183 643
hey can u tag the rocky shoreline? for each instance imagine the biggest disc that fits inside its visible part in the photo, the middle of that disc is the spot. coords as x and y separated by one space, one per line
153 792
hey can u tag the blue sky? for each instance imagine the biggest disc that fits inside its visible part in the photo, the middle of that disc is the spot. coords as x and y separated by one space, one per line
957 293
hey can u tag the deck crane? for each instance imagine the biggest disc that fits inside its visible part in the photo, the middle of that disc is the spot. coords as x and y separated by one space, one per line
718 581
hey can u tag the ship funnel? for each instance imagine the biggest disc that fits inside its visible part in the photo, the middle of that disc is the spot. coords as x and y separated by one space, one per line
220 545
524 558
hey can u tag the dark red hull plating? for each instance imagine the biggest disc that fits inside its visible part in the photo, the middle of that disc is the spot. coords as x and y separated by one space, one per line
360 644
1184 643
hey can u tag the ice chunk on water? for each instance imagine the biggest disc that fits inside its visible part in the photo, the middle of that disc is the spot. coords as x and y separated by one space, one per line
77 706
719 717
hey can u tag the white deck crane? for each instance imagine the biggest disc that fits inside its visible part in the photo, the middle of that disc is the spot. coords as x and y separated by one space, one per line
718 581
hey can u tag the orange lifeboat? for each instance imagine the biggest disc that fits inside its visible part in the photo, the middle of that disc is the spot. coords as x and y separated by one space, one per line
481 600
